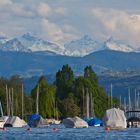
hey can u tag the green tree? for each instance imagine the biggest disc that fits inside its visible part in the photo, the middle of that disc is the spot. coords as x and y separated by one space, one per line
69 107
64 81
90 74
46 98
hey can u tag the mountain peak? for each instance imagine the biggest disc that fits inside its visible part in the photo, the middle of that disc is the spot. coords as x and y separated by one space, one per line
87 37
82 47
117 45
29 36
110 39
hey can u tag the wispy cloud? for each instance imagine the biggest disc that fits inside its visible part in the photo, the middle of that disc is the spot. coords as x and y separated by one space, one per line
119 24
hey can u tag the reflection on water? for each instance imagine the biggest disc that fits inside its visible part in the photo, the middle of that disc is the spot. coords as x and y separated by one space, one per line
91 133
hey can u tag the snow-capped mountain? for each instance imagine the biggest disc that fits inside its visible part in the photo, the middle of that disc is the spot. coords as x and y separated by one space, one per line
82 47
87 45
116 45
13 45
36 44
28 43
3 39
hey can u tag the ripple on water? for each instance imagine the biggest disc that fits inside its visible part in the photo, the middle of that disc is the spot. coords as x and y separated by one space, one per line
91 133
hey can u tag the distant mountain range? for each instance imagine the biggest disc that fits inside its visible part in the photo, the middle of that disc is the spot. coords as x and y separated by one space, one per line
38 63
81 47
29 56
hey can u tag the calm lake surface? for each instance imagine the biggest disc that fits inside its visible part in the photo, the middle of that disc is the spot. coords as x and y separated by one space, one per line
91 133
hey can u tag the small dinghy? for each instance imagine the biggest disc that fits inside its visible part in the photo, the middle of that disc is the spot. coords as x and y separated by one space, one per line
115 119
75 122
37 121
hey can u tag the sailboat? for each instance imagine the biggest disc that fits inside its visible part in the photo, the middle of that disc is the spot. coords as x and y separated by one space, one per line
11 120
114 118
37 120
90 115
56 120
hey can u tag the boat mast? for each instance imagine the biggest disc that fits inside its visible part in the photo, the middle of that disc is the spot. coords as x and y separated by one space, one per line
87 105
37 100
54 109
135 104
12 102
111 95
120 101
56 112
1 109
129 99
7 101
83 101
91 106
9 93
138 101
22 100
124 104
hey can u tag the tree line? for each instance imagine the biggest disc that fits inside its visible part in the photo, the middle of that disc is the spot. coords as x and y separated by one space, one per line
66 97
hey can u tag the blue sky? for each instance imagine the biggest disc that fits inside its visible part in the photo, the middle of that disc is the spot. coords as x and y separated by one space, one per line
61 21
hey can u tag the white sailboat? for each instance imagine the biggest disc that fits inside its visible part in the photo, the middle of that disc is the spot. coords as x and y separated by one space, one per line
37 120
11 120
90 118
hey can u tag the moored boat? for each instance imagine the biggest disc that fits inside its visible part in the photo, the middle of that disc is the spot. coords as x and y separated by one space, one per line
95 122
115 119
14 121
36 120
75 122
2 122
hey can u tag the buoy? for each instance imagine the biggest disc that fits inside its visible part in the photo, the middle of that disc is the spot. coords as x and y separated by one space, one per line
54 129
107 129
4 129
29 129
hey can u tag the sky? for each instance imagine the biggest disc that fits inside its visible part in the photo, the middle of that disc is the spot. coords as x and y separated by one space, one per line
61 21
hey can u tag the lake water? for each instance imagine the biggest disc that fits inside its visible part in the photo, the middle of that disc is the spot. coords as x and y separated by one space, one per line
91 133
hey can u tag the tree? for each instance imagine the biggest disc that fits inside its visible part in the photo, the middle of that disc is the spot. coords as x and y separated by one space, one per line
90 74
69 107
46 98
64 81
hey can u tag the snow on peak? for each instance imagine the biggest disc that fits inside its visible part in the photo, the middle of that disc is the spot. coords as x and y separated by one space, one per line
117 45
36 44
13 45
135 17
3 38
82 47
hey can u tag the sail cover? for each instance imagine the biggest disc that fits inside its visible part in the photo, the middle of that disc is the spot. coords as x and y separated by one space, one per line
36 120
95 122
115 118
75 122
14 121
